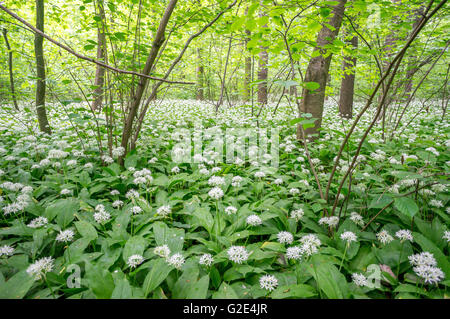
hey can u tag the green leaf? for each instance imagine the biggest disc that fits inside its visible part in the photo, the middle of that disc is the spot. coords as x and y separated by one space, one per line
225 292
122 290
311 86
100 281
134 246
200 289
66 215
406 206
172 237
86 229
17 286
159 270
329 280
294 291
205 218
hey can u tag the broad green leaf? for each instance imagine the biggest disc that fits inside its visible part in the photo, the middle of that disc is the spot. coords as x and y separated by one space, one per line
406 206
100 281
159 270
134 246
86 229
17 286
294 291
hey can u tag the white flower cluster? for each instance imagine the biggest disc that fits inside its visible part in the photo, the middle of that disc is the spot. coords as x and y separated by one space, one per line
216 181
101 215
132 194
118 151
285 237
384 237
254 220
206 259
162 251
216 193
38 222
40 267
425 267
310 244
142 177
6 250
331 221
176 260
135 260
164 211
238 254
348 236
65 235
294 253
236 181
357 219
359 280
297 214
404 234
230 210
268 282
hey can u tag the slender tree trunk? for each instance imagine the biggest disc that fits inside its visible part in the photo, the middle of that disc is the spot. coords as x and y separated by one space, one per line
348 83
156 45
412 67
263 75
317 71
101 56
10 67
263 71
40 68
248 65
248 69
200 76
224 74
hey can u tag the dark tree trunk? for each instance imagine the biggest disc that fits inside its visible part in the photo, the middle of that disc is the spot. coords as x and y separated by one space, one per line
10 67
40 68
101 56
317 71
348 83
262 75
156 45
200 76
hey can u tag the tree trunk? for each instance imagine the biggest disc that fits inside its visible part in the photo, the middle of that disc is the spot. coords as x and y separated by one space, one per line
348 83
317 71
263 71
200 76
40 68
248 70
10 67
101 56
222 89
262 75
156 45
413 67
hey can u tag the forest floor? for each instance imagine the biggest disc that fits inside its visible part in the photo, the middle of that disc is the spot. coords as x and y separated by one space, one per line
76 224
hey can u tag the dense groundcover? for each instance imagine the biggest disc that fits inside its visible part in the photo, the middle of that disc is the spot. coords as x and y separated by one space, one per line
75 224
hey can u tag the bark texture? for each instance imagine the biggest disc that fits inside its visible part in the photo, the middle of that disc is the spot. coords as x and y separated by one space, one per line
136 101
348 83
200 76
10 68
40 70
317 71
101 56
